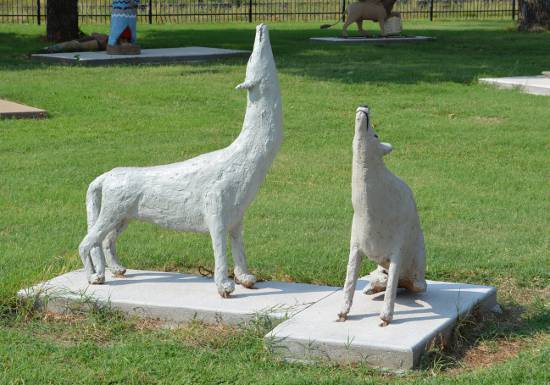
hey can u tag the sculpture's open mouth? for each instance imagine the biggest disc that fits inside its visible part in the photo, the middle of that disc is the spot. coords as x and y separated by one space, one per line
261 29
364 110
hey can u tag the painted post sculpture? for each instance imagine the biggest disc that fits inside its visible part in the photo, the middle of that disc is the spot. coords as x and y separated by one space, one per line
122 33
385 224
209 193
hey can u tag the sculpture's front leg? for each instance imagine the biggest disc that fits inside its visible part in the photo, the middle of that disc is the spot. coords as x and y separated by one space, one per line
219 244
242 275
354 265
391 291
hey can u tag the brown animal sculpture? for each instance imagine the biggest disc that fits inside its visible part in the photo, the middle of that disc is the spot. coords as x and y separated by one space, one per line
375 10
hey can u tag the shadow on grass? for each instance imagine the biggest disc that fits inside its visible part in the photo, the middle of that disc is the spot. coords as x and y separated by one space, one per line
459 56
456 56
485 338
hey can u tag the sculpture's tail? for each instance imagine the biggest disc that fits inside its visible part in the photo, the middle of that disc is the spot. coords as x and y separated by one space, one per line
93 200
327 26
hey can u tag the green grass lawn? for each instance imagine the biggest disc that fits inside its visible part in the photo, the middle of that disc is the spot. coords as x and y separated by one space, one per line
476 157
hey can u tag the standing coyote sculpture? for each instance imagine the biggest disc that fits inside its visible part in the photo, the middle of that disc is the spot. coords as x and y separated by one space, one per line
385 224
375 10
209 193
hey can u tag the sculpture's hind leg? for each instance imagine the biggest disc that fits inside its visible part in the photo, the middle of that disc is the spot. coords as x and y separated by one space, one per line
242 275
378 280
92 240
104 224
109 250
98 260
347 23
360 28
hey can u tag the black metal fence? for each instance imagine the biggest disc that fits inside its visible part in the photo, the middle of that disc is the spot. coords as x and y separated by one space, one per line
178 11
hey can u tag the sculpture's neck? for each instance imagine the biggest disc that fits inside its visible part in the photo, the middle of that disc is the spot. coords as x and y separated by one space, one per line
367 168
262 127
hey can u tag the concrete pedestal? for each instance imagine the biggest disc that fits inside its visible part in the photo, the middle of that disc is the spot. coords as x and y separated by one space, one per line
175 297
371 40
315 333
15 110
147 56
536 85
309 331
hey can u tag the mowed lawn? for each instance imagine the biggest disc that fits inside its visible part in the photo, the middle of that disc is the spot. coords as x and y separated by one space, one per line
477 159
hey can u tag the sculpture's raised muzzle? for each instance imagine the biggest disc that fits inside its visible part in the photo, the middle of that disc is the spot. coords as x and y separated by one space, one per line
362 113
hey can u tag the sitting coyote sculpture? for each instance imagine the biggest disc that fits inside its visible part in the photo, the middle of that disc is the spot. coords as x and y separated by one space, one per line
209 193
385 224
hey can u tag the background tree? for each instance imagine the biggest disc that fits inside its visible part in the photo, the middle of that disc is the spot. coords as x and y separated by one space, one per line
534 15
62 20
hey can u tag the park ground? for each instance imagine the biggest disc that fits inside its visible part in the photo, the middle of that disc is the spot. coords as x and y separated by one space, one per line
476 157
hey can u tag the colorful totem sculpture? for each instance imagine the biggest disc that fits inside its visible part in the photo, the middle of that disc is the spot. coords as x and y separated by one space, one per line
122 35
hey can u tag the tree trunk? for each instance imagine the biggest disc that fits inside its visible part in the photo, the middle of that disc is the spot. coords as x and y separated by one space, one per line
62 20
534 15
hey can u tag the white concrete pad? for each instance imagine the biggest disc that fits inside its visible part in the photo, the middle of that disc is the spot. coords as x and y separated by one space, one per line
419 318
371 40
147 56
15 110
536 85
175 297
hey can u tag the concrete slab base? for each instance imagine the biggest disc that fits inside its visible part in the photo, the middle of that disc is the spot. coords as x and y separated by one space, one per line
175 297
315 334
536 85
15 110
147 56
371 40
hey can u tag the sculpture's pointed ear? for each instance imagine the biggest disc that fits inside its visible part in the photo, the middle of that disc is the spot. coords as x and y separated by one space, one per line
386 148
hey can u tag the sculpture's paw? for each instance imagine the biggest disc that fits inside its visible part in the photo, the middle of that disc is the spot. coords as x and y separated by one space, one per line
342 317
118 271
371 289
225 288
96 279
386 319
419 286
246 280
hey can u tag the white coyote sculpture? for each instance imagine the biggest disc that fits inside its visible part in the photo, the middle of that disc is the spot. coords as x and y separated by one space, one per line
209 193
385 224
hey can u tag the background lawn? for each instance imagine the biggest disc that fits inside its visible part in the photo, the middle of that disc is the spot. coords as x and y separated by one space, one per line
476 157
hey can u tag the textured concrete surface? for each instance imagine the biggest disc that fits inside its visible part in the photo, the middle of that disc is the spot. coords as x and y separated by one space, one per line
175 297
147 56
371 40
536 85
208 193
15 110
418 319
